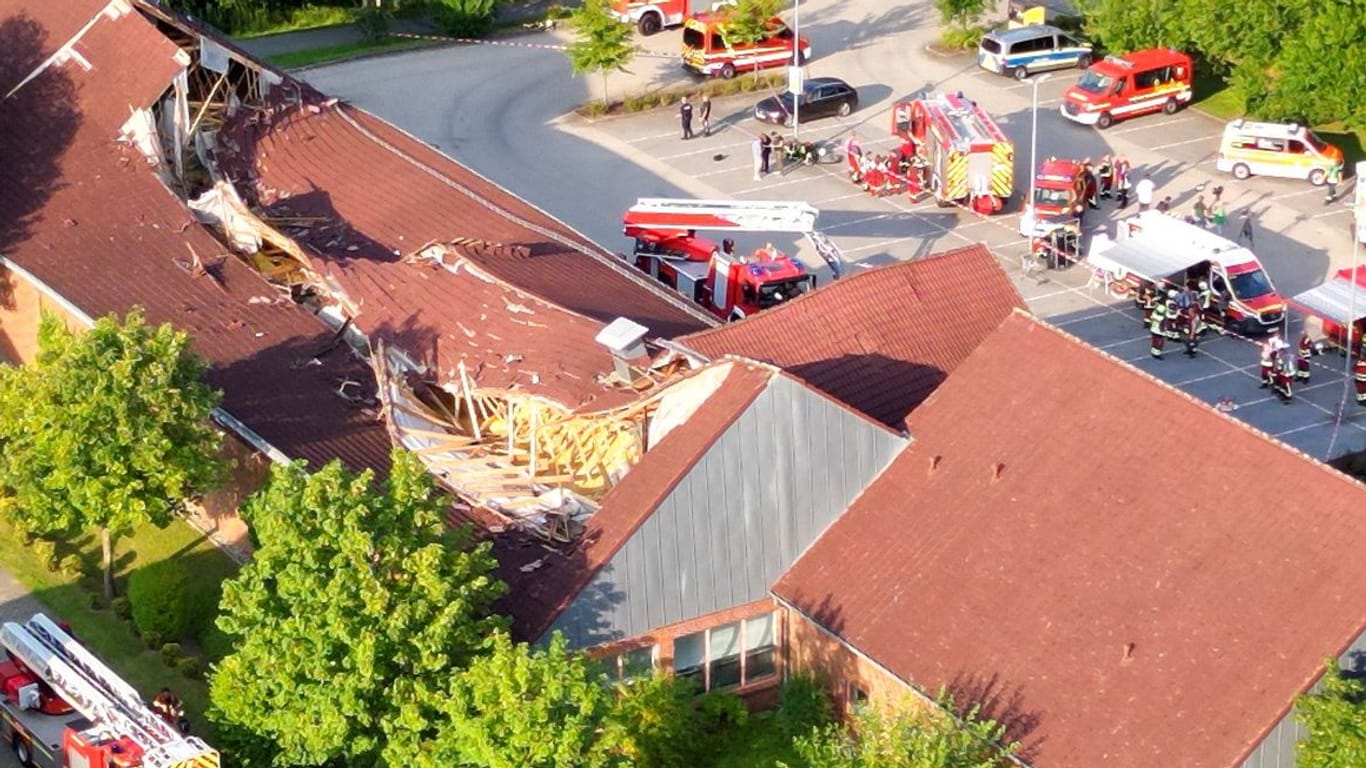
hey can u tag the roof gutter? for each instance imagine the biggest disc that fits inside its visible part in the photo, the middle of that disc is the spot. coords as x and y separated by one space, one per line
222 417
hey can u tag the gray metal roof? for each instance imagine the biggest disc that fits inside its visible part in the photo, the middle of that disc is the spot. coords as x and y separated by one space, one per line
1339 300
765 489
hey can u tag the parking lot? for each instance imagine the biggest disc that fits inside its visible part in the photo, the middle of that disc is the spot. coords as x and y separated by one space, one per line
1299 239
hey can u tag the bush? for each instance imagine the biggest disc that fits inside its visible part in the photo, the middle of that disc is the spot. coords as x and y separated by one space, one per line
804 705
94 600
158 593
46 552
170 654
153 640
71 566
465 18
962 38
189 667
123 607
662 722
373 23
720 711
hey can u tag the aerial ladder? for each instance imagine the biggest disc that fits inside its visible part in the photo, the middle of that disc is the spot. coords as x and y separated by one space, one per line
737 215
92 689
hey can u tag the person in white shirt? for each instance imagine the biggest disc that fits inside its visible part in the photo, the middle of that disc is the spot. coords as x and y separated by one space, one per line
1144 192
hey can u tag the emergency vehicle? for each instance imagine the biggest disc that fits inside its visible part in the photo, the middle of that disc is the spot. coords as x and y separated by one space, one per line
63 708
730 285
1059 190
1339 302
1288 150
707 52
968 158
1169 252
650 16
1119 87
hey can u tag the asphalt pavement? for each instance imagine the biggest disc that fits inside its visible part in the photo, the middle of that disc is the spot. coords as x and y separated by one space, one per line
506 111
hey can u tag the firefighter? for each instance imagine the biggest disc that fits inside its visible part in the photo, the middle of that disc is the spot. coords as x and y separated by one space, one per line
1303 351
1156 330
1173 314
1211 308
1088 175
1105 173
168 707
1283 377
1267 364
1190 320
1147 301
1359 375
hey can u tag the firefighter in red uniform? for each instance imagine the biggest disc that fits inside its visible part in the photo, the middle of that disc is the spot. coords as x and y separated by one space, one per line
1303 351
1284 375
1271 352
1157 330
1147 301
1359 375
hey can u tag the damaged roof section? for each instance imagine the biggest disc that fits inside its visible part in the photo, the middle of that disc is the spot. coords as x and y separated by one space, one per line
89 218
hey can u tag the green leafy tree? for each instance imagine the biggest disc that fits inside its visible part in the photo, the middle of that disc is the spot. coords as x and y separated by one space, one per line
524 707
905 738
661 722
748 20
465 18
960 13
356 607
1335 717
604 42
108 429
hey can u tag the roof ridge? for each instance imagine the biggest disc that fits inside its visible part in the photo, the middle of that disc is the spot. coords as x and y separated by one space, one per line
783 373
1324 466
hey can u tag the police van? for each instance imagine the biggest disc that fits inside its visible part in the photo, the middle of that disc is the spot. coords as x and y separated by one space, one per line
1275 149
1023 51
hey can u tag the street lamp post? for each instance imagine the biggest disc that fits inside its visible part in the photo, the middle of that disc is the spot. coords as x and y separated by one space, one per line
1034 146
796 66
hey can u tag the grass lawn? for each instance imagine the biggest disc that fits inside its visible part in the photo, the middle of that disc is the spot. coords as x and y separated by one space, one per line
758 744
299 19
331 53
68 598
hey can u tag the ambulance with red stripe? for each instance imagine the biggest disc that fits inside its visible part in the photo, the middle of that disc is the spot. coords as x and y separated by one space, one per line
1120 87
709 52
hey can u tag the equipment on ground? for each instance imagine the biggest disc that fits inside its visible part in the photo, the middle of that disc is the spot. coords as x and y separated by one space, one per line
1163 250
730 285
969 160
60 707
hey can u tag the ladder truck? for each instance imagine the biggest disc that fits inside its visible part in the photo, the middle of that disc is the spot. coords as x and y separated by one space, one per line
60 707
730 285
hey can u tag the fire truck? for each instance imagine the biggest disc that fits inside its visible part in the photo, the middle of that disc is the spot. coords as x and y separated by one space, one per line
968 158
1168 252
730 285
650 16
63 708
1059 191
1339 302
708 51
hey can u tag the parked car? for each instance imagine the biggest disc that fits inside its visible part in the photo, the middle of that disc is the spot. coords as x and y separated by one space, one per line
821 97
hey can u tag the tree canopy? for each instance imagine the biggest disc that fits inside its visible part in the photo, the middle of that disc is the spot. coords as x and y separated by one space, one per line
355 611
107 429
747 21
604 43
1335 717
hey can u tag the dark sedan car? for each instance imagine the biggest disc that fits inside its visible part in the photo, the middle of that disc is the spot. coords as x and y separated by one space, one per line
821 97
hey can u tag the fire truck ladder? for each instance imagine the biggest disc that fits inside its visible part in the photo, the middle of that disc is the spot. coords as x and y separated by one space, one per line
100 695
739 215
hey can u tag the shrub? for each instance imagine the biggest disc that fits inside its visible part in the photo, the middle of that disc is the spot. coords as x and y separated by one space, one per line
160 604
123 607
804 705
189 667
373 23
153 640
962 38
46 552
661 721
71 566
170 654
94 600
720 711
465 18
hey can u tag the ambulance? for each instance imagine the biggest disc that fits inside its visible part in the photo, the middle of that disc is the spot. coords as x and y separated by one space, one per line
1119 87
708 52
1288 150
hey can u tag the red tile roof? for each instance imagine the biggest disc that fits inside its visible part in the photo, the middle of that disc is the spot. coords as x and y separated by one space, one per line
88 217
537 596
1155 580
306 161
881 340
40 27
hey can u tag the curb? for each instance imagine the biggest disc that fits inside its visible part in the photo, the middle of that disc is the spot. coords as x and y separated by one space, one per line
425 45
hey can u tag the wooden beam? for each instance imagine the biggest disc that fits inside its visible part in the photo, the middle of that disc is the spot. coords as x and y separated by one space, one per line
469 400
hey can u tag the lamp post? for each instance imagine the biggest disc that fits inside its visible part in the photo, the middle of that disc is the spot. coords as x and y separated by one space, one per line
1034 146
794 77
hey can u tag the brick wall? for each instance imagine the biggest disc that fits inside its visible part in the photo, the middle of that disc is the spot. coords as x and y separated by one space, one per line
812 651
21 309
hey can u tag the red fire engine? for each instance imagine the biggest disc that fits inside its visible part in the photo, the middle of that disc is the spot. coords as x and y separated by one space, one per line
650 16
1338 302
63 708
968 158
730 285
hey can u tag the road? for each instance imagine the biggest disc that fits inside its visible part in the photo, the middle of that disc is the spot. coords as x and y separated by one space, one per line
502 109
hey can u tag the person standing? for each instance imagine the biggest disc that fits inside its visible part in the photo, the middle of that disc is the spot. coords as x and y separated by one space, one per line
1270 352
1144 192
1332 179
1283 377
1157 331
1105 174
706 114
1201 212
1246 231
685 116
766 150
757 149
1122 180
1219 217
1088 175
1359 374
1303 351
1147 301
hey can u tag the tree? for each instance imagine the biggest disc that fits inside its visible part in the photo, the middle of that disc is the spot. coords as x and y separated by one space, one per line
905 738
604 43
1335 717
356 609
748 21
109 428
524 707
961 13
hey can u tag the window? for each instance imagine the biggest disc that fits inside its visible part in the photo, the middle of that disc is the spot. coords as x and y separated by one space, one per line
693 39
1271 145
628 665
738 653
991 45
1091 82
1297 147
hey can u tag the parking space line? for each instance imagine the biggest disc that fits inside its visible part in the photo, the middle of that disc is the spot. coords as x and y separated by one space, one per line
1326 214
654 137
1187 141
859 193
712 149
1147 126
852 222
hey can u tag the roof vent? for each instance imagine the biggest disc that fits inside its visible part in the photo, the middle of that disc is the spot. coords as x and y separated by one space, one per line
1128 653
626 339
997 470
934 462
